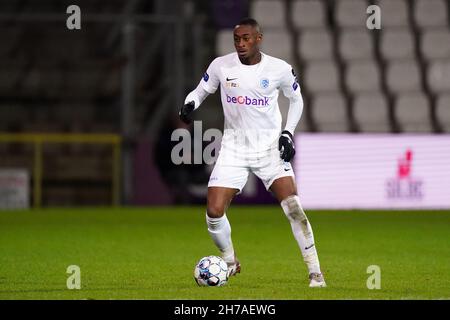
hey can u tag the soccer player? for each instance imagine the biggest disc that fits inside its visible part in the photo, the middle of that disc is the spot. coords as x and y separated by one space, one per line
253 141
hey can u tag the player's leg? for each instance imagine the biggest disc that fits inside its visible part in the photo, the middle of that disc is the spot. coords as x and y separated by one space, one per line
218 200
225 182
284 189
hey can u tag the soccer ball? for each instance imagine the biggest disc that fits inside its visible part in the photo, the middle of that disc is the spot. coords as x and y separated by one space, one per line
211 271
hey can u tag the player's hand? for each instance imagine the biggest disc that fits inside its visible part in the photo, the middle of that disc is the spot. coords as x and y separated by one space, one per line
286 146
186 112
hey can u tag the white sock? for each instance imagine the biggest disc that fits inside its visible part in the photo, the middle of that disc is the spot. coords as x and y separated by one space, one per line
301 228
220 231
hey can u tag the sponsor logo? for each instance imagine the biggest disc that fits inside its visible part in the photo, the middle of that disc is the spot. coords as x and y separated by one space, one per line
206 77
404 186
295 76
264 83
231 79
248 101
295 84
231 85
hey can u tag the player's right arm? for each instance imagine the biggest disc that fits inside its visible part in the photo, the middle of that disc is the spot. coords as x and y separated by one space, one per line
291 90
208 85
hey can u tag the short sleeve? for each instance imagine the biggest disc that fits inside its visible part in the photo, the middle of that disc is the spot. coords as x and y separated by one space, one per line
210 81
289 83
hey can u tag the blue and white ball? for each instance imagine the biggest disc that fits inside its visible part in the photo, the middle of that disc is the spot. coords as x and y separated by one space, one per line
211 271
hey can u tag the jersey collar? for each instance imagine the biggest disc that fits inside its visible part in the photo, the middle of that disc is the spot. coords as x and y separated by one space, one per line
259 65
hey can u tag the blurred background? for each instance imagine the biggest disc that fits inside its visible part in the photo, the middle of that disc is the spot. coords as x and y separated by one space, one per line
86 116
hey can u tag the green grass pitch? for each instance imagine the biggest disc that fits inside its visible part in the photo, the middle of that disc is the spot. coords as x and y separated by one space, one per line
150 253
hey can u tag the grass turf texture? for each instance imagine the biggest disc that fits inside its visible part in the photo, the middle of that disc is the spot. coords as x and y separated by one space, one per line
151 253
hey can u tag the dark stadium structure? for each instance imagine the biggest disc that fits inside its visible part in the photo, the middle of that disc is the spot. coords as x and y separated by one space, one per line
129 67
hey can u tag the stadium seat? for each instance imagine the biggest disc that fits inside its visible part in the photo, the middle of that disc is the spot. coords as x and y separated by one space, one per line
224 42
308 14
355 43
371 112
435 43
363 76
270 14
397 43
438 76
278 44
321 76
394 13
412 111
330 112
351 13
403 76
443 111
316 44
430 13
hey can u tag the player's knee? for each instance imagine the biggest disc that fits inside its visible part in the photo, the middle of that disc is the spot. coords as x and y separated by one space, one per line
215 210
293 209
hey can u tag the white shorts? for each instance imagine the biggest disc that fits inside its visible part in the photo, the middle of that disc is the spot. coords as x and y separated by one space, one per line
232 172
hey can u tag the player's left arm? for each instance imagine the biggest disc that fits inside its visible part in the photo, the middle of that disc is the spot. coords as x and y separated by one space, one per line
291 89
193 100
208 85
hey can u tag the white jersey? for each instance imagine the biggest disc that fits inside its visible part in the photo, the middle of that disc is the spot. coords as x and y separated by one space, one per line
249 96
